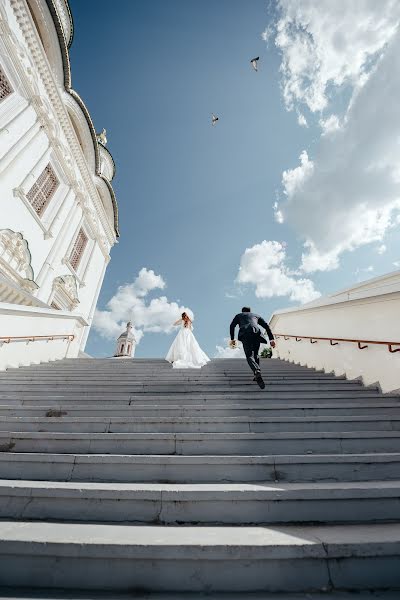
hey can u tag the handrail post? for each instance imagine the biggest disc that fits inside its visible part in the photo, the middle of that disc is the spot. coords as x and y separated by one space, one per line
391 349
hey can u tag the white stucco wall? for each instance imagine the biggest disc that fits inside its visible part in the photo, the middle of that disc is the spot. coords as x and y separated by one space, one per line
16 321
368 311
36 129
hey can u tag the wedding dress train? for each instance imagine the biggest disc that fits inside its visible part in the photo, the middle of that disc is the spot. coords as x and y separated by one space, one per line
185 352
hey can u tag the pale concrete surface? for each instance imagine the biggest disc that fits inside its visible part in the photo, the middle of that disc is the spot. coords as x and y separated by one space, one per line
197 482
258 542
64 595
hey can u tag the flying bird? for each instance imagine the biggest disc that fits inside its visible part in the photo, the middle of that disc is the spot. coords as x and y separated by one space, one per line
214 119
254 62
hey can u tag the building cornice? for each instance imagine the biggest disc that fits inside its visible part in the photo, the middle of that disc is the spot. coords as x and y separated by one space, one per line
67 84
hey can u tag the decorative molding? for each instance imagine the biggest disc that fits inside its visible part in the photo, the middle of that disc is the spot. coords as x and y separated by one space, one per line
15 259
65 292
64 14
69 153
19 193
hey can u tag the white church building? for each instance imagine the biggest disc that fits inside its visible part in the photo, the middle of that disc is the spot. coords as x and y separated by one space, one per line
58 212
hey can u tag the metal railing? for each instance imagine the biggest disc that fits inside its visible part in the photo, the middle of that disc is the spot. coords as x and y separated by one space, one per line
8 339
362 344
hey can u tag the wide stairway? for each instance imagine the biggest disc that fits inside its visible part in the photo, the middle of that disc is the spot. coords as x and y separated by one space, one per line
130 477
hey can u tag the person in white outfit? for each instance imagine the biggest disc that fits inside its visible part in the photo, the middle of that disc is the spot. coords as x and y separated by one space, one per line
185 352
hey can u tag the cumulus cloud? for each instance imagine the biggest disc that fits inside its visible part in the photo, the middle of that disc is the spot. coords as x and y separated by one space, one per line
330 124
130 303
381 249
264 266
329 44
294 179
227 352
348 194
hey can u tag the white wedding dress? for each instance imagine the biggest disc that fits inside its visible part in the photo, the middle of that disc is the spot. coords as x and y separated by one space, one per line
185 352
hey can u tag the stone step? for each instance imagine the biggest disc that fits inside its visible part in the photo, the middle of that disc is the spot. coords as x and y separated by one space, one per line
47 594
202 443
259 409
172 375
206 559
154 388
155 370
201 503
176 424
227 382
215 364
200 468
65 397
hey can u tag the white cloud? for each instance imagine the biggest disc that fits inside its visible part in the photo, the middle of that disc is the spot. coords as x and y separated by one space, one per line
277 213
294 179
330 124
227 352
268 33
348 194
314 260
329 44
381 249
396 263
264 266
129 303
302 121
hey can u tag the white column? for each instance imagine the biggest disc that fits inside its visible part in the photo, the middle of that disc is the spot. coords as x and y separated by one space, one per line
47 268
23 144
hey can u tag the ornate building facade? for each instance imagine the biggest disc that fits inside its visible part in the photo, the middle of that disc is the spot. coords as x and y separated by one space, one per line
58 212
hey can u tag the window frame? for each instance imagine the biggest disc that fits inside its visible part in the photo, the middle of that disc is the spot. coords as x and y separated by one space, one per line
4 74
38 190
80 253
49 215
15 103
82 268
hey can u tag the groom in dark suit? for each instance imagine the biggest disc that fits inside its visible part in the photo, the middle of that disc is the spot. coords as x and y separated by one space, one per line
251 338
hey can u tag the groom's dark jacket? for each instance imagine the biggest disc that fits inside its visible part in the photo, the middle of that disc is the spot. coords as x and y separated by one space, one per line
248 327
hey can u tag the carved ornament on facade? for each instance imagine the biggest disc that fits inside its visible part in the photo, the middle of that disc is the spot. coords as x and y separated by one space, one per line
42 69
102 137
24 65
66 292
15 259
65 19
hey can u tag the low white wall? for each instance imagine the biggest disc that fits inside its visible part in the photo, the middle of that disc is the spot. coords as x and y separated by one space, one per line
29 321
369 311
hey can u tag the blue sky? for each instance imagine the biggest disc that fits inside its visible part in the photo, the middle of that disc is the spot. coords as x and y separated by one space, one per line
193 197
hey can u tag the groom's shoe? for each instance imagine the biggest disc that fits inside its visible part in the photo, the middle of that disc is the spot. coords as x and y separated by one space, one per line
259 379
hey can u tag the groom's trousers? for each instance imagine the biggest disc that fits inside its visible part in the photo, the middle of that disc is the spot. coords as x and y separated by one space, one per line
251 347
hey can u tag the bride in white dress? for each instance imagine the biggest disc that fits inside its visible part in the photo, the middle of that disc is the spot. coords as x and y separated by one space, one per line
185 352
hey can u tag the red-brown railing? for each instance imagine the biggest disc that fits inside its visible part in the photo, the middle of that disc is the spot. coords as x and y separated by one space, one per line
362 344
33 338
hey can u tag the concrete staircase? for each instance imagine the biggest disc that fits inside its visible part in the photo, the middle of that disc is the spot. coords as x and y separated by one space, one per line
127 476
